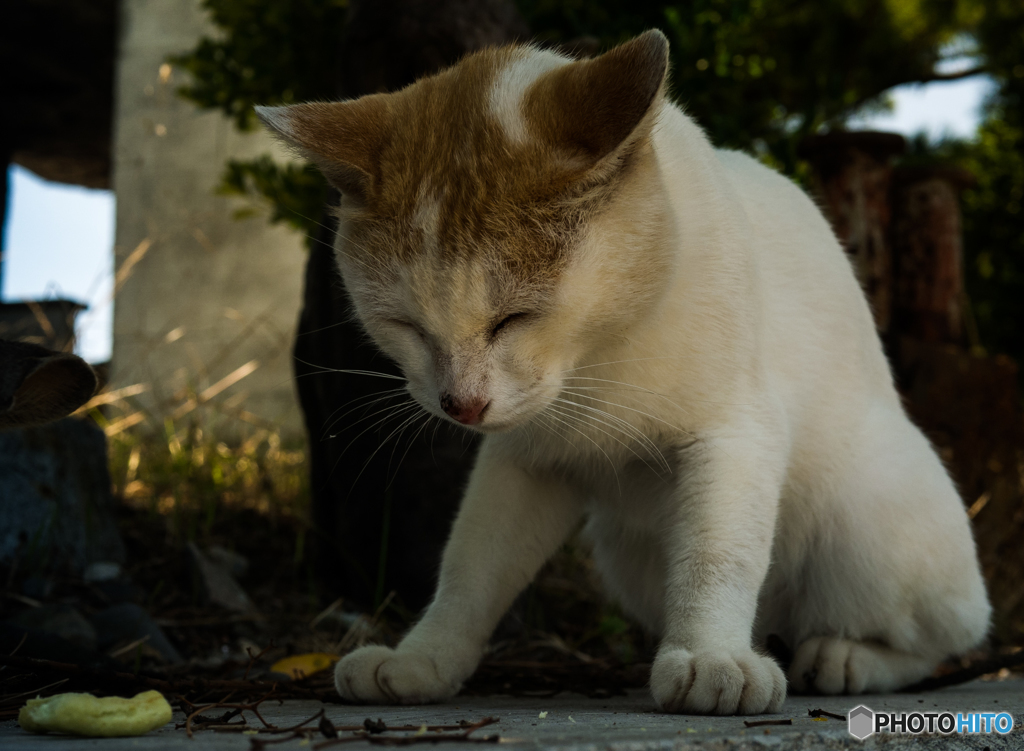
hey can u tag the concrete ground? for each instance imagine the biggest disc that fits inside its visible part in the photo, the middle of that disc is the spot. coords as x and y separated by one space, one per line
627 723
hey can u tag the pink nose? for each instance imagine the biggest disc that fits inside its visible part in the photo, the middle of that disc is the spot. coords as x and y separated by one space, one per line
468 412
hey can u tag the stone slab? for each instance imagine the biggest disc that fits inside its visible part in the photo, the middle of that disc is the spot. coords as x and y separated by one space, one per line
631 723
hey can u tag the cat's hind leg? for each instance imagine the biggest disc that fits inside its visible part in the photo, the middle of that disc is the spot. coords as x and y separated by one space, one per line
885 583
830 665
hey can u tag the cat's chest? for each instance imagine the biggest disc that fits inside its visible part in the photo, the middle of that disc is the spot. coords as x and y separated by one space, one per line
637 494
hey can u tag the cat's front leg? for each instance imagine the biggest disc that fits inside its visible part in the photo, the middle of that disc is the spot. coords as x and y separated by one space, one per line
718 548
510 522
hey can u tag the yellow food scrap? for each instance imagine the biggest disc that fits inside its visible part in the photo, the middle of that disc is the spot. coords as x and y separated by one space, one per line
299 666
85 714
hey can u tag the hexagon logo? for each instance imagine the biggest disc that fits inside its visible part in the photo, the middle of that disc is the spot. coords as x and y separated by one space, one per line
861 721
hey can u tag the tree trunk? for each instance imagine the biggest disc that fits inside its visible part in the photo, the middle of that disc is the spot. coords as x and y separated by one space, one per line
853 171
383 497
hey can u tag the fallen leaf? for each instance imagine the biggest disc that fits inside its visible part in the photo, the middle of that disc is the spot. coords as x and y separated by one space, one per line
301 666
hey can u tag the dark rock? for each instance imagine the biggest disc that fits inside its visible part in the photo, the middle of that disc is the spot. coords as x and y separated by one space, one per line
101 571
57 509
218 584
38 385
60 620
117 591
236 563
108 581
129 622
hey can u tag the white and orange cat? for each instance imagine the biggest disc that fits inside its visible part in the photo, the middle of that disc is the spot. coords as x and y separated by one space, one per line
662 339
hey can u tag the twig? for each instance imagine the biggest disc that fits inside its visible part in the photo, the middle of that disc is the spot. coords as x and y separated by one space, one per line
253 658
326 728
317 716
762 723
8 699
297 731
128 647
14 651
326 612
194 714
409 740
253 707
823 713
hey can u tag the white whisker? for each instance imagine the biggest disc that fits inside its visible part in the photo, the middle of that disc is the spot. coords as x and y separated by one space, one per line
622 426
572 390
382 443
590 422
374 398
561 420
613 362
378 374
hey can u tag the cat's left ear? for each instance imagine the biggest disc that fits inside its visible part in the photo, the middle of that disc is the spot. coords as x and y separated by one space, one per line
593 109
343 139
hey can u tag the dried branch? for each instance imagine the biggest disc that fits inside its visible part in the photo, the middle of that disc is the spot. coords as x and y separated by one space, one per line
823 713
762 723
410 740
253 707
253 658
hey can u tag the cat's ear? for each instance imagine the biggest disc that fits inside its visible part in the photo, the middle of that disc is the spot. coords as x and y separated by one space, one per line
592 108
343 139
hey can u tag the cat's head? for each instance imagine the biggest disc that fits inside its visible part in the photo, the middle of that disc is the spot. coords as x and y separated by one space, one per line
499 221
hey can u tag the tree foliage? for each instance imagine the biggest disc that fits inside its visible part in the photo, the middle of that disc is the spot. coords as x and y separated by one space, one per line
762 74
759 75
296 192
994 207
268 52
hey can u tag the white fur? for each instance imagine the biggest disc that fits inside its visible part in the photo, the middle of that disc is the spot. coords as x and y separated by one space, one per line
511 85
730 431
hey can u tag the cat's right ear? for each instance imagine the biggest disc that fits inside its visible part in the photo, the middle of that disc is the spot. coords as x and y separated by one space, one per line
591 110
343 139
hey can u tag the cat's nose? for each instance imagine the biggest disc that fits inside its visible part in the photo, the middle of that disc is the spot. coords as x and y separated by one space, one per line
466 411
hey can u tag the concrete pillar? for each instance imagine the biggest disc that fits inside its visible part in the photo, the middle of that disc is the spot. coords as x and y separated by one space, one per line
206 305
928 244
852 171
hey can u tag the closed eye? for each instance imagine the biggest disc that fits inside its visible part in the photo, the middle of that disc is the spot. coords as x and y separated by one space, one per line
407 325
504 322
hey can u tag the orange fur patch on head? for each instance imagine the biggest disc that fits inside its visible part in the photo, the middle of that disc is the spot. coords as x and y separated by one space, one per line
446 166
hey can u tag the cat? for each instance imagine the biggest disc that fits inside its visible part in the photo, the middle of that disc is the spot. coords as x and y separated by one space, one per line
658 337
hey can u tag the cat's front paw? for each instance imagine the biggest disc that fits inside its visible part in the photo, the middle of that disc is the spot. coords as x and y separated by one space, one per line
717 682
381 675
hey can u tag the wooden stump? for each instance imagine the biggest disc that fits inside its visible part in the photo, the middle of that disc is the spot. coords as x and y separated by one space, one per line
927 239
852 175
